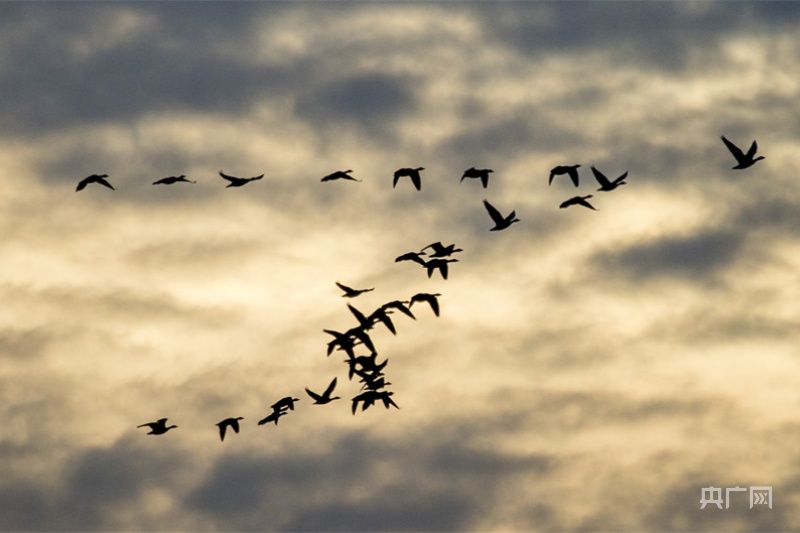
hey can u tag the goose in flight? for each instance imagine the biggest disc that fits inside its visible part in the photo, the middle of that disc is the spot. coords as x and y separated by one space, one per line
340 175
325 397
605 183
238 182
431 299
500 222
478 173
172 179
578 200
369 397
287 402
94 178
412 173
440 250
441 264
272 417
158 427
348 340
352 293
743 160
232 423
400 306
565 170
411 256
382 315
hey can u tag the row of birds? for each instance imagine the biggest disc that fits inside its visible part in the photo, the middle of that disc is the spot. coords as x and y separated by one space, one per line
366 367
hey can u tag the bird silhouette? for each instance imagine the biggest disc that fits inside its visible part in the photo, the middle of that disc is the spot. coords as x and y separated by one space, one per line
743 160
440 264
172 179
411 256
340 175
272 417
412 173
350 292
500 222
238 182
565 170
400 306
478 173
157 428
233 423
348 340
578 200
430 299
382 315
605 183
287 402
94 178
369 397
440 250
325 397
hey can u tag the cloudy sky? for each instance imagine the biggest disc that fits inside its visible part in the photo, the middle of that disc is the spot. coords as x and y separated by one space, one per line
590 370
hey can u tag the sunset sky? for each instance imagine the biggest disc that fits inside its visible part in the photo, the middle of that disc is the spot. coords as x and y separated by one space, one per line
590 370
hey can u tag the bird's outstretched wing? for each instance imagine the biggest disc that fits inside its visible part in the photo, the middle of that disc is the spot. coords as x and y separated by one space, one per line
601 178
493 212
737 153
229 178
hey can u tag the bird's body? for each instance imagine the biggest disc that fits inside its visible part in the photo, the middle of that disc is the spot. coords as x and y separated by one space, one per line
350 292
440 250
325 397
238 182
565 170
411 256
272 417
431 299
743 160
578 200
158 427
340 175
412 173
94 178
605 183
478 173
440 264
500 222
232 423
172 179
287 402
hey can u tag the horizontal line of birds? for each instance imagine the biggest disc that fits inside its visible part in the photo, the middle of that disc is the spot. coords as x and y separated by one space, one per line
501 222
365 367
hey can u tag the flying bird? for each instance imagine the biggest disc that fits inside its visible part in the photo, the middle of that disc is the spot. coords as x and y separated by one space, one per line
411 256
478 173
441 264
340 175
172 179
238 182
412 173
500 222
578 200
565 170
431 299
325 397
232 423
272 417
743 160
350 292
94 178
400 306
287 402
157 428
440 250
605 183
370 396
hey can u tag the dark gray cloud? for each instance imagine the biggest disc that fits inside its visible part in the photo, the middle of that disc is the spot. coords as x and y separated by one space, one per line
697 257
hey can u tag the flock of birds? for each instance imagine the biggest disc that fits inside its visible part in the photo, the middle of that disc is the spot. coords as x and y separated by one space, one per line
433 257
